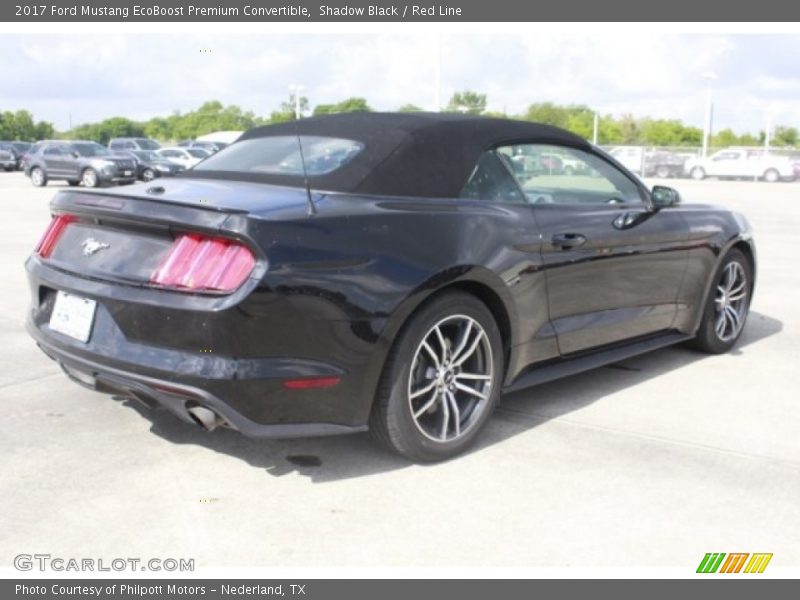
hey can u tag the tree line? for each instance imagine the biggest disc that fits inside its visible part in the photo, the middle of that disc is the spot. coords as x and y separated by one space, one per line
214 116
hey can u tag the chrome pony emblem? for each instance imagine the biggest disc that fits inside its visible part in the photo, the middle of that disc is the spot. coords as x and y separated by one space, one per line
91 245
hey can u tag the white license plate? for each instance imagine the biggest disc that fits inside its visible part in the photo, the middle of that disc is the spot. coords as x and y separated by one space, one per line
127 173
73 316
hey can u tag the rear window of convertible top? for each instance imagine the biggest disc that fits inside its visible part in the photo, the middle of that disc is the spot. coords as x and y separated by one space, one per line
280 155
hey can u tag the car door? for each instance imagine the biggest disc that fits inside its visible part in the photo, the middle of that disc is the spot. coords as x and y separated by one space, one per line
73 163
613 264
55 160
726 163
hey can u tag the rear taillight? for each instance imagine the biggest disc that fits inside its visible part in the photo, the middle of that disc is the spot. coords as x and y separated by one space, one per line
49 240
200 263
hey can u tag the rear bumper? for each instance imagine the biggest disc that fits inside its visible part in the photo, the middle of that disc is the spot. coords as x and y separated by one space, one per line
175 397
146 361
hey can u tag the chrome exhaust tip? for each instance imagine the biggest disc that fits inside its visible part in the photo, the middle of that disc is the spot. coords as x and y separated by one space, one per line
205 417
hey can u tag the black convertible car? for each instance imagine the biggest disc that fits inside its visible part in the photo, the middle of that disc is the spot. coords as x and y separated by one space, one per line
379 271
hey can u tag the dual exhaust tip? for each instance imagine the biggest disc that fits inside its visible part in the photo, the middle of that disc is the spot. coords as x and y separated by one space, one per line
205 417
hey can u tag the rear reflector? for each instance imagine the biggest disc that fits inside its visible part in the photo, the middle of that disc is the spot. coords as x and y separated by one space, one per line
196 262
310 383
49 240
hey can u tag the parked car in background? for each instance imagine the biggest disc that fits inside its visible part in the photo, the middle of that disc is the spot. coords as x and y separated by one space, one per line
649 163
17 149
741 163
210 146
8 158
289 254
663 164
78 162
133 143
186 157
150 165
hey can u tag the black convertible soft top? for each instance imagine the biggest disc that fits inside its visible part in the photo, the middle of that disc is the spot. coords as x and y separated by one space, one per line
408 154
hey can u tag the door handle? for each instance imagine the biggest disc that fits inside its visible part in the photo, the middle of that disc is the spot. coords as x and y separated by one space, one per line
565 241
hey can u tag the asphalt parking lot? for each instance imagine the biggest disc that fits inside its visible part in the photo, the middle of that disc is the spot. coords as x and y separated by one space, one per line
651 462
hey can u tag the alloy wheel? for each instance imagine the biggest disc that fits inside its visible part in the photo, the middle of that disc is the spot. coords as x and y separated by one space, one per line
37 176
451 378
730 302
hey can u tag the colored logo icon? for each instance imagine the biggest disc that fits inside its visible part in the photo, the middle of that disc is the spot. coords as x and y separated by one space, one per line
737 562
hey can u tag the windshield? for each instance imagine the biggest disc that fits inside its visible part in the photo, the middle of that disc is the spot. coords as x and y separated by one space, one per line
90 149
148 144
280 155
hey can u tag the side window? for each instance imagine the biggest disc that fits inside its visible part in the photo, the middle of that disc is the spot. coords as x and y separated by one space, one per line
562 175
491 181
53 151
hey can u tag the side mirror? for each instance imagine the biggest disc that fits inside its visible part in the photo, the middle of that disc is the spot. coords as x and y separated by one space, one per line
74 155
664 196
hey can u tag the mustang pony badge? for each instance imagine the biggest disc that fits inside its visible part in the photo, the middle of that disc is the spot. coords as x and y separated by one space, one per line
91 246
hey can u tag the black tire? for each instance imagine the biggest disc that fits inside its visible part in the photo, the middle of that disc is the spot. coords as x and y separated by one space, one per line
148 175
707 338
38 177
392 422
73 182
662 171
772 176
89 178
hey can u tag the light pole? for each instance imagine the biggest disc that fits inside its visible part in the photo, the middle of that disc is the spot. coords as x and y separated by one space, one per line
767 134
595 127
295 90
709 77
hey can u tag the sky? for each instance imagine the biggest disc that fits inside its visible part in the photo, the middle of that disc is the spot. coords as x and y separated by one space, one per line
86 78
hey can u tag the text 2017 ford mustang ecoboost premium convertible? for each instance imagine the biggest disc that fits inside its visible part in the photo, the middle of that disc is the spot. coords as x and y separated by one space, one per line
379 271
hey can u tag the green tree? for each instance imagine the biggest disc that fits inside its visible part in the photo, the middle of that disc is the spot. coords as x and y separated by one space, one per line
467 101
724 138
547 113
785 136
354 104
630 132
409 108
20 125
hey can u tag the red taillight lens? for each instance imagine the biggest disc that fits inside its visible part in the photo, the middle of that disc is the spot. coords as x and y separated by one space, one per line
197 262
311 383
50 237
